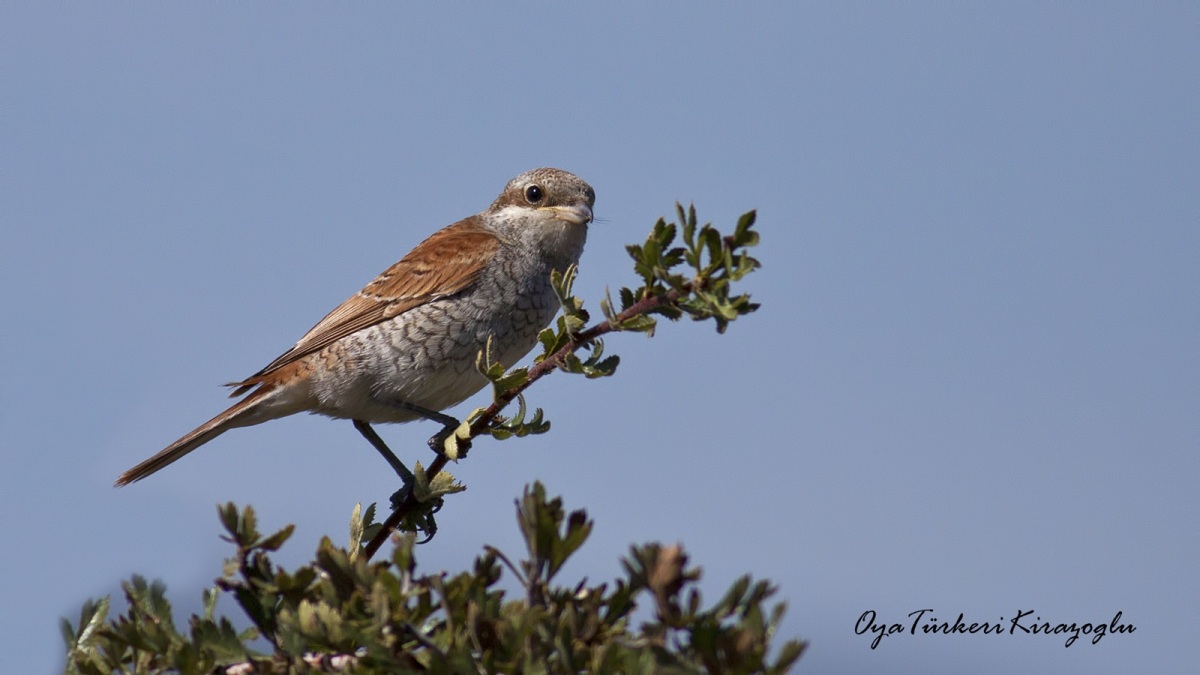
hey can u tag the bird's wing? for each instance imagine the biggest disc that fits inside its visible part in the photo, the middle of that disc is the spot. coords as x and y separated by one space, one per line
448 262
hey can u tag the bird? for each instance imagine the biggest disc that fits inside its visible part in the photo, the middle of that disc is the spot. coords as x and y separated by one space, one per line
405 346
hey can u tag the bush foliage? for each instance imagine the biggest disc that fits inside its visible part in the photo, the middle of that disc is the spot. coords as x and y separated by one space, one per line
342 612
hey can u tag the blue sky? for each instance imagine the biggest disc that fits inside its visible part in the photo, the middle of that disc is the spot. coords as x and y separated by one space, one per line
972 387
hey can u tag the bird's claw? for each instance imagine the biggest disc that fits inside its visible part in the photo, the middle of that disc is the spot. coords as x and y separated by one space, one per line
421 520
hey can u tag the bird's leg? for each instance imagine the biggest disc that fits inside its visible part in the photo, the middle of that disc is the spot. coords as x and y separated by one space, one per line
437 443
374 439
406 476
449 425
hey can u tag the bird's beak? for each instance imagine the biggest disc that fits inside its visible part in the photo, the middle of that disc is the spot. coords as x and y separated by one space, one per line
575 214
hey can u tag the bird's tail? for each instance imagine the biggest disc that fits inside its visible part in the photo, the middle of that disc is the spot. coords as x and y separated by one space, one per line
235 416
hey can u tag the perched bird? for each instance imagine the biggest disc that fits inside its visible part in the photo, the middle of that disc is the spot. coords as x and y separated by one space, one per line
404 347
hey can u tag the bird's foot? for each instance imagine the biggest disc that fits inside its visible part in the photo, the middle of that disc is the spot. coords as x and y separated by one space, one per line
420 516
453 441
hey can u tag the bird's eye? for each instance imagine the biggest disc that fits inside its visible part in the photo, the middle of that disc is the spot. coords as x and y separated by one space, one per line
533 194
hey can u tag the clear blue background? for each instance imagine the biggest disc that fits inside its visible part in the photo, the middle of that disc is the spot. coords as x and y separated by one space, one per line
973 385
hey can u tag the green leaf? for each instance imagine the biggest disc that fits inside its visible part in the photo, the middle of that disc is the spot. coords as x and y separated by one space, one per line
229 519
273 542
789 653
513 379
450 447
91 617
627 298
356 531
443 483
68 632
603 368
209 599
579 528
547 339
247 528
743 236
